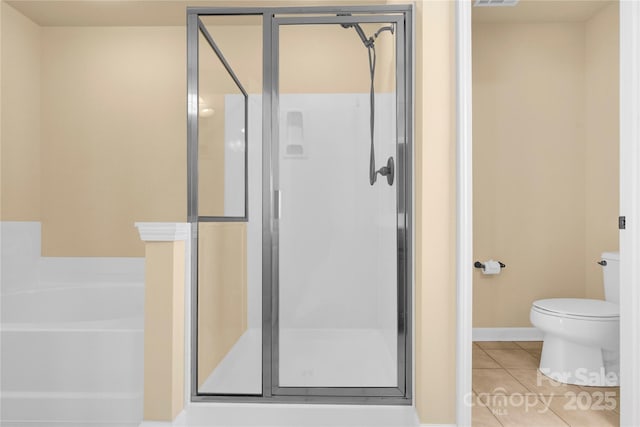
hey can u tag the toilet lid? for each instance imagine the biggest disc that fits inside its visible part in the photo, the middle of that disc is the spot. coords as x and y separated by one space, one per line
579 307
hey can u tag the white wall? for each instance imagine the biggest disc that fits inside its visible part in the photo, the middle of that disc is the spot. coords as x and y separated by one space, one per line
337 233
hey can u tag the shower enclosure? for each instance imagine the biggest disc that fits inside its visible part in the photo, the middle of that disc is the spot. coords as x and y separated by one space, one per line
300 200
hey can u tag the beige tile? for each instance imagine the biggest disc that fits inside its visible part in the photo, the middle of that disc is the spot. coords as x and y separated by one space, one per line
522 411
530 345
495 381
513 358
536 354
481 416
539 383
480 360
576 410
496 345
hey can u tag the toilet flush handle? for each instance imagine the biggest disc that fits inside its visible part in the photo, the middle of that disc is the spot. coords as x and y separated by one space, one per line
603 262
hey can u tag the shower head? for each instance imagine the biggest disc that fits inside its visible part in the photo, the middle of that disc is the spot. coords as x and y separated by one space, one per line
368 42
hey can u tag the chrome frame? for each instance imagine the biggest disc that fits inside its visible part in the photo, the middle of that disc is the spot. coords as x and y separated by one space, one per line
210 218
402 16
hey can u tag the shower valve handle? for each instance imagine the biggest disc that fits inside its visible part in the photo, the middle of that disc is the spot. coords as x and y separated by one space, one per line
388 171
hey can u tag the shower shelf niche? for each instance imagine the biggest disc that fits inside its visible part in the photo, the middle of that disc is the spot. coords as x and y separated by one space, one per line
294 144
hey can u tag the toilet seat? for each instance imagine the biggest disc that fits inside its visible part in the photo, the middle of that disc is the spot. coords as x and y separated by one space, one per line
578 308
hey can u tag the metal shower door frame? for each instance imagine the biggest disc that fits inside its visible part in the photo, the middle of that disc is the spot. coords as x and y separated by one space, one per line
401 393
402 17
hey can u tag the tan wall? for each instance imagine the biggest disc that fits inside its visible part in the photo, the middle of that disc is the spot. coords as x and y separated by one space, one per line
113 136
347 71
602 147
241 46
435 213
1 50
20 117
327 70
113 124
211 165
222 292
164 330
529 166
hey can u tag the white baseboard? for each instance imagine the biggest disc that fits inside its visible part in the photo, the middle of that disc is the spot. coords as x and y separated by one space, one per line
292 415
507 334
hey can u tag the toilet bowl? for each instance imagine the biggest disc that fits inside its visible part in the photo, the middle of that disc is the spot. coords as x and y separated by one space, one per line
581 336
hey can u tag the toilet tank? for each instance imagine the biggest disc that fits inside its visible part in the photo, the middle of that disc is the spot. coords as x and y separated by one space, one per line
611 275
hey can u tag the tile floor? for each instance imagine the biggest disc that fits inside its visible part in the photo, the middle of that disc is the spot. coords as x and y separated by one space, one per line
509 391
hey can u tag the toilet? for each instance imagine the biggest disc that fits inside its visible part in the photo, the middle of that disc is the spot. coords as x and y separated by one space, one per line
582 336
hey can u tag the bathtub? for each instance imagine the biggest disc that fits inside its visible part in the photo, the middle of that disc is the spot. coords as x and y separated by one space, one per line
72 356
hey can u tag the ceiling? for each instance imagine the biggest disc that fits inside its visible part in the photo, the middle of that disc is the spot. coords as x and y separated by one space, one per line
172 12
141 12
540 11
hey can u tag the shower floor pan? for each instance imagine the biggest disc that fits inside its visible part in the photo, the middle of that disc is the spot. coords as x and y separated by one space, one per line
309 358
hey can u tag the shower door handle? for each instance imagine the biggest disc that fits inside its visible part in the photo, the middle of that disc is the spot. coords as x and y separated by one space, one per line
277 203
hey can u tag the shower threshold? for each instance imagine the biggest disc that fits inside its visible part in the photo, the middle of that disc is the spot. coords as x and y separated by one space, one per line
309 358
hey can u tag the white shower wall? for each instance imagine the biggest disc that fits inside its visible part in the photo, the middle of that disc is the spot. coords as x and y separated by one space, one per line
342 270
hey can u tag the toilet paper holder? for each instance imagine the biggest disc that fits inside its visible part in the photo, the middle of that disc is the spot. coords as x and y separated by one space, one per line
478 264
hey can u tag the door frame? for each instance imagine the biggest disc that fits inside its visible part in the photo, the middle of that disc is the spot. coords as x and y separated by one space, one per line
365 395
401 394
629 207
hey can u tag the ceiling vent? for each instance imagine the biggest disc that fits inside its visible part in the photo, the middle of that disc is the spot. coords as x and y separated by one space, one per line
482 3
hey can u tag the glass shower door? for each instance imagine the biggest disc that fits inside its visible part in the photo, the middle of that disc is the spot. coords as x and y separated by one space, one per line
224 186
339 267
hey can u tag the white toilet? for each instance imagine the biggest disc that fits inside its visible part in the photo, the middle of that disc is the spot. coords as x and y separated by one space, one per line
582 336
